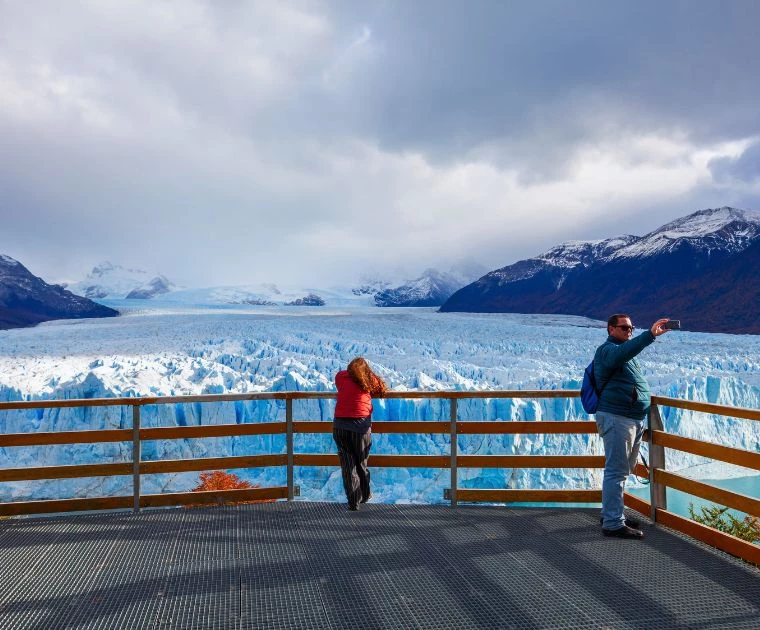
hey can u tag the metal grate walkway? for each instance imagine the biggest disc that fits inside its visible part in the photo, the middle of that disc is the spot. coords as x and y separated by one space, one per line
316 565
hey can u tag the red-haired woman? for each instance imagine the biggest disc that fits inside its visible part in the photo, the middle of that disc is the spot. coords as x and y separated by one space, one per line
352 427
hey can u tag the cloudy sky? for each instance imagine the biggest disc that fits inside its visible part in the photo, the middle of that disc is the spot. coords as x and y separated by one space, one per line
228 142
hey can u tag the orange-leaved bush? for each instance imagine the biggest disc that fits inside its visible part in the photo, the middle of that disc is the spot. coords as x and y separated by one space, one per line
220 480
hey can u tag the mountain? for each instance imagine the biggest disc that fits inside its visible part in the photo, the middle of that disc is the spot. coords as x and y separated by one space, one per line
107 280
371 285
700 269
26 300
312 299
432 288
266 294
157 286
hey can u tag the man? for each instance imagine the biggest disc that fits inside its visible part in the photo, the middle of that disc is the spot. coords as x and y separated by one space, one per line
623 407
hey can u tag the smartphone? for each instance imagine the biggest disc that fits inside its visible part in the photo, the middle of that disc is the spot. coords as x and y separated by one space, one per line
672 324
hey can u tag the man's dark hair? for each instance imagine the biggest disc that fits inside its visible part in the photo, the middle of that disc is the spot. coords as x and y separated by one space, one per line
614 319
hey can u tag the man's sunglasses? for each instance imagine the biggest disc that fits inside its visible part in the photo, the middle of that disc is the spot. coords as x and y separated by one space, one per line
626 328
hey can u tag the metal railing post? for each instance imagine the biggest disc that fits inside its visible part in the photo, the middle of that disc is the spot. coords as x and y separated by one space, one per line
289 444
657 491
136 454
453 433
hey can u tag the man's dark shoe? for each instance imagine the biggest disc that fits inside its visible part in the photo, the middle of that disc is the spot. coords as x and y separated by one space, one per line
353 507
367 498
624 532
630 522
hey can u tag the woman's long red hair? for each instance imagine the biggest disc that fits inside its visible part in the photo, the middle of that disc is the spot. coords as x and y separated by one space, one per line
365 378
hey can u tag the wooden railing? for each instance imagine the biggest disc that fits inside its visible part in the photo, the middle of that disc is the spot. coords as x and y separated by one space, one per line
656 508
660 478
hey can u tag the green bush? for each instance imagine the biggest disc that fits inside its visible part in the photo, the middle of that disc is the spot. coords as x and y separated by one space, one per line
717 517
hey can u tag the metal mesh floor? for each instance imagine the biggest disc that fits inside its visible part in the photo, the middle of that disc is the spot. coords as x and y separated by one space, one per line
317 565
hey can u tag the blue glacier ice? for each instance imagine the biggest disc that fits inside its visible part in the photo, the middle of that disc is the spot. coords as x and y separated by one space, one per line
170 349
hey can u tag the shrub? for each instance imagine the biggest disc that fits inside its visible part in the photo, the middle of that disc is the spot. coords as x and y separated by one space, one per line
717 517
221 480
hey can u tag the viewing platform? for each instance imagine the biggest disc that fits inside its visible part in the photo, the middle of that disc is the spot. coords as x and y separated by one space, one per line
294 563
316 565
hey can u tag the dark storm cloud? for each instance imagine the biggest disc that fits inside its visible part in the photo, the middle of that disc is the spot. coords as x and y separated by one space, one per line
745 167
240 140
538 78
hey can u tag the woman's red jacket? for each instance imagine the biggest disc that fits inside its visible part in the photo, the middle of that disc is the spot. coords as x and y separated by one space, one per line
352 401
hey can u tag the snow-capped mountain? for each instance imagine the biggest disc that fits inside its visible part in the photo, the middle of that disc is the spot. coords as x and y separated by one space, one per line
370 285
722 230
432 288
109 281
559 261
700 268
26 300
157 286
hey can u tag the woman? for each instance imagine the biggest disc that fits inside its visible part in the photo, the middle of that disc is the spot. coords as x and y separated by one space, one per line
352 427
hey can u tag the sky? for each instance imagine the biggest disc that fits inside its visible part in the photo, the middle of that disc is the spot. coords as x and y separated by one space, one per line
240 142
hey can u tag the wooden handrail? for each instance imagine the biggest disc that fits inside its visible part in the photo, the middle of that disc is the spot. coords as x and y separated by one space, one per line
56 506
213 430
713 537
164 400
530 427
125 435
52 506
721 410
530 461
737 456
378 426
464 427
213 497
530 496
377 461
210 463
65 437
32 473
696 488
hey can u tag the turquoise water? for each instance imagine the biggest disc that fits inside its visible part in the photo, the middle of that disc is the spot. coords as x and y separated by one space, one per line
678 502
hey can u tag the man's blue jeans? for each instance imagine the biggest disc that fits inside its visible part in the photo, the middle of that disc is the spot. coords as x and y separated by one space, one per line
622 438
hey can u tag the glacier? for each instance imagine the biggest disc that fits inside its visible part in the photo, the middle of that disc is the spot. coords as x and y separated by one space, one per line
173 348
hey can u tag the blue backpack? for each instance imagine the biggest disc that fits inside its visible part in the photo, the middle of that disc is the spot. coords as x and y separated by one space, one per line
589 393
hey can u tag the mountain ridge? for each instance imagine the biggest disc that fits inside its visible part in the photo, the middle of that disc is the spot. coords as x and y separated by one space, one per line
431 288
646 276
27 300
110 281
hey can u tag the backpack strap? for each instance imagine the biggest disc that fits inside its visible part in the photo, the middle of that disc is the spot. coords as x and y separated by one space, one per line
609 378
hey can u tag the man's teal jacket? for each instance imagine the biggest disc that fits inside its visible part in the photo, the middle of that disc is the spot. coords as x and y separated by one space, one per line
625 391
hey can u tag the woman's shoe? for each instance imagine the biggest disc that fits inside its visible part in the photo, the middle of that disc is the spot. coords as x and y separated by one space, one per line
367 498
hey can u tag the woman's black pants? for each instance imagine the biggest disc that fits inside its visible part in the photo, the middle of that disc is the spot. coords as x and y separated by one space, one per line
353 451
